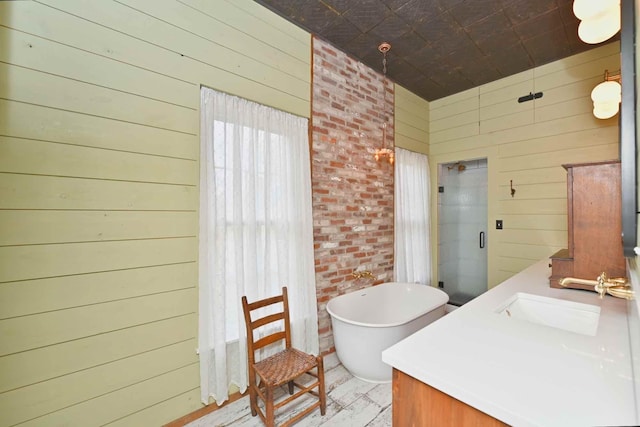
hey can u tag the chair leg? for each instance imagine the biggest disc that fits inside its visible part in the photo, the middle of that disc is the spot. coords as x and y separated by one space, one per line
290 387
253 399
269 407
321 391
253 394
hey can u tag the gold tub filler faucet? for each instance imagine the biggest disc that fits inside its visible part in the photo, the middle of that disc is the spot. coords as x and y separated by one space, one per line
617 287
362 274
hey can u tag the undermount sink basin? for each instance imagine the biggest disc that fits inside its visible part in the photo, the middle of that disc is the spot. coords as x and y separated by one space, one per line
556 313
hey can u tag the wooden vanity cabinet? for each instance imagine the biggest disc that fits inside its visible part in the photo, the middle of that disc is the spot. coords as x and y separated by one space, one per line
594 225
416 404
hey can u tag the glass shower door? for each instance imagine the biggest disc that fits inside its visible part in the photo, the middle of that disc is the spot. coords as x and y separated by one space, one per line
462 222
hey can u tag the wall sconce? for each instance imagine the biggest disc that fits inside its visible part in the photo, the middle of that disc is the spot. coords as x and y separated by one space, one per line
600 20
606 96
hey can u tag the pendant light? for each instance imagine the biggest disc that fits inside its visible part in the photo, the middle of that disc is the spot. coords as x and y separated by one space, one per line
384 151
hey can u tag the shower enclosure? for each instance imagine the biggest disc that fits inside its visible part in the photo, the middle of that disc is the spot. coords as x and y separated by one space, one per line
462 229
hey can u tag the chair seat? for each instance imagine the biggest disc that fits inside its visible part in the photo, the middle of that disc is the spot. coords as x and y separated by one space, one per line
283 366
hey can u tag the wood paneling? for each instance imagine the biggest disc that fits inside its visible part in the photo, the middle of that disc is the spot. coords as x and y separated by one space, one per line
125 402
48 124
470 129
22 369
38 330
19 191
99 151
526 143
91 383
24 227
40 88
411 121
159 413
30 51
39 261
455 120
28 156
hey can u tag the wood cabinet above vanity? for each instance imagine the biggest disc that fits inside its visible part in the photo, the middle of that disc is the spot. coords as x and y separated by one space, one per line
594 224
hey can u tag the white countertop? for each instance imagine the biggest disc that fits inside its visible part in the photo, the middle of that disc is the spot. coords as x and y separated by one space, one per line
522 373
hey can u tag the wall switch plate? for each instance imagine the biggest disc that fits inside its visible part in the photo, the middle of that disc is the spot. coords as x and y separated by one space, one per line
498 224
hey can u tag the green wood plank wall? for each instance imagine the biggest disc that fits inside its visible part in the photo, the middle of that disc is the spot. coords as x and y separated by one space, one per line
527 143
99 147
411 121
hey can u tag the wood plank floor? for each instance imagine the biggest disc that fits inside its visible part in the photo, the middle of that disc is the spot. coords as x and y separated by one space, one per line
350 402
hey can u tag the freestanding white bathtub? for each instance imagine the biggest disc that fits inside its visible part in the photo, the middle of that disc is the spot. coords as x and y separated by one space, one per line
368 321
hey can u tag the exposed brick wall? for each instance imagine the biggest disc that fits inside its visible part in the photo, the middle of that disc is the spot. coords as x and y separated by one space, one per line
352 193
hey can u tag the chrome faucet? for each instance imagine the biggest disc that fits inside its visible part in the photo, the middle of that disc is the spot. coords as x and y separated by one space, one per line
617 287
362 274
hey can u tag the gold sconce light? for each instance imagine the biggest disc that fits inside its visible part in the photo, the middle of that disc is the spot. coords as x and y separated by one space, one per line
384 151
606 96
600 19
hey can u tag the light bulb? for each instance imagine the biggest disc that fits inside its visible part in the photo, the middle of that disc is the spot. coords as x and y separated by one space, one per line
601 28
607 92
589 9
605 110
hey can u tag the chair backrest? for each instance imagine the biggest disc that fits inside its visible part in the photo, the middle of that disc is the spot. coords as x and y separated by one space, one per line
253 325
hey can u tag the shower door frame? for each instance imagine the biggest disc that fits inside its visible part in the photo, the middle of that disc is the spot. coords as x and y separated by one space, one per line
482 238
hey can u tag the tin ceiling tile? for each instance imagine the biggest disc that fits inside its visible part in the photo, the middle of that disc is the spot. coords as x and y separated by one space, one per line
362 45
424 58
459 40
491 25
340 32
399 70
407 44
498 42
430 87
512 60
545 47
440 47
340 6
395 4
437 28
473 11
479 71
520 11
415 11
445 75
461 57
366 14
449 4
541 23
314 15
392 27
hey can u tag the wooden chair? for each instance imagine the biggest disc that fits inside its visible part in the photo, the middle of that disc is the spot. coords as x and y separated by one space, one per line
284 367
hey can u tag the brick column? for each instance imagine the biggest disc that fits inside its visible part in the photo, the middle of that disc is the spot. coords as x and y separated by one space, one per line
352 193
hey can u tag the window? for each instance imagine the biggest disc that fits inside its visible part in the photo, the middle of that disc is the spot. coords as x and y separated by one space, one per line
256 232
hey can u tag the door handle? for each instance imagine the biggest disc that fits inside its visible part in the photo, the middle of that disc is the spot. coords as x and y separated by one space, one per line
482 240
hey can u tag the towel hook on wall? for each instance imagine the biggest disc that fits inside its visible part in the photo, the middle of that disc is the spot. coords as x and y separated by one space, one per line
513 190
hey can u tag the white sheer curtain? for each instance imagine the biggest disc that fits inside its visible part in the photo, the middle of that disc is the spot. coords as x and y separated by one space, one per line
256 232
412 260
